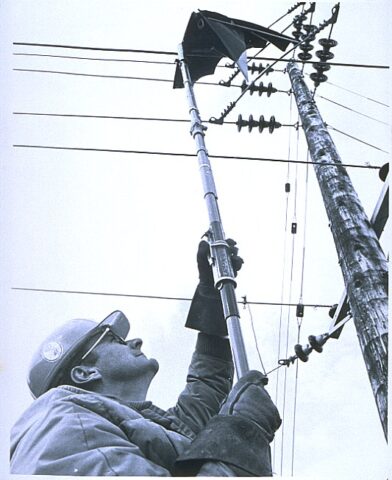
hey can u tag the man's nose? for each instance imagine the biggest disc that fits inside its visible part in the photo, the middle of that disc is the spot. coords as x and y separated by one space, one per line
135 343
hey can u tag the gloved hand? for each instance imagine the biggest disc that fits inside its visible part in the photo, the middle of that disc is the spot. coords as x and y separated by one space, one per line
250 400
206 276
206 313
239 436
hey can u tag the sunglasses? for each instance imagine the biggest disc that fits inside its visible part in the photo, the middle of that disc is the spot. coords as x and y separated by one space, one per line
105 332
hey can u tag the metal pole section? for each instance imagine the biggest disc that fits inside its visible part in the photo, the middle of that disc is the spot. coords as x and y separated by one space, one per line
222 268
363 263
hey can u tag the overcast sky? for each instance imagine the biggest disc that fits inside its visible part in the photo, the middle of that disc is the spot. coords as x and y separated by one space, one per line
129 224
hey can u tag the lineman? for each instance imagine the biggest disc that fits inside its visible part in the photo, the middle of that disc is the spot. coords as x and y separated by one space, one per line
91 417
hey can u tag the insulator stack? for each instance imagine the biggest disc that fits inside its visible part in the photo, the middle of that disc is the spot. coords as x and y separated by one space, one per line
261 124
298 23
306 47
324 55
269 89
302 351
254 68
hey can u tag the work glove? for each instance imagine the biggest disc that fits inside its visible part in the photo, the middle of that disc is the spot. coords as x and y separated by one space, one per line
206 312
240 434
250 400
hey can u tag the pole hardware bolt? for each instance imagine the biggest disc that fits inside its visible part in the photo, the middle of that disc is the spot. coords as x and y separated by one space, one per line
261 123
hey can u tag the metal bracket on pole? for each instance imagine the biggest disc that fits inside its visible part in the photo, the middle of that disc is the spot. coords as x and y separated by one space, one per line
221 263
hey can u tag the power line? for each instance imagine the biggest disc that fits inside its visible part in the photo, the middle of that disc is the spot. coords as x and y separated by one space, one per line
357 139
356 93
95 75
177 154
69 57
160 52
99 49
111 117
152 297
116 117
352 110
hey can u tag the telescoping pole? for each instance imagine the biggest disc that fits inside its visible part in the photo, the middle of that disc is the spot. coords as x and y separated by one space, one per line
222 268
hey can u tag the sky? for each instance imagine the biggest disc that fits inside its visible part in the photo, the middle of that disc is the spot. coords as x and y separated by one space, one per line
128 224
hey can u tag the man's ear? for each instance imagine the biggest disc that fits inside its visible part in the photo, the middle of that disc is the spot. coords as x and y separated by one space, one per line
85 374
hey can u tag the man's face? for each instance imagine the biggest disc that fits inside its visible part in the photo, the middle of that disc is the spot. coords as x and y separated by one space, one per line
123 361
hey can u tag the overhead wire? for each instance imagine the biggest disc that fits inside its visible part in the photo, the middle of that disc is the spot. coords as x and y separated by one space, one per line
288 321
119 117
246 306
351 109
356 93
356 138
287 189
299 319
160 52
153 297
178 154
72 57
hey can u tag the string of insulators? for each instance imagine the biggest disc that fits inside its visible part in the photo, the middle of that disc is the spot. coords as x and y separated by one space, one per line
306 46
302 351
298 23
269 89
254 68
322 66
258 68
271 124
299 20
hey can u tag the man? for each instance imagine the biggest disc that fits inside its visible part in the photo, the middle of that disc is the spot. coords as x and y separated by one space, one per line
91 417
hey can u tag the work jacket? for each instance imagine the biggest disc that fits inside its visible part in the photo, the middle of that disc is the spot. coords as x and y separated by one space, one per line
70 431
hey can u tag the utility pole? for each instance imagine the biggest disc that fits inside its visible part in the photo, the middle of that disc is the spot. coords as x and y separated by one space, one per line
362 261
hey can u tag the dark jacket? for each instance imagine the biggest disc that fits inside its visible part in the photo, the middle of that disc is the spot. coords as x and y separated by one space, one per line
70 431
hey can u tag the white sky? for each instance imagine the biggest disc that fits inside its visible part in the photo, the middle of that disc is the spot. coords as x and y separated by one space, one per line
130 224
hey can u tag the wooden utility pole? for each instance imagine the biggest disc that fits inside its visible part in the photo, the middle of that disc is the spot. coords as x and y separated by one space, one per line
362 261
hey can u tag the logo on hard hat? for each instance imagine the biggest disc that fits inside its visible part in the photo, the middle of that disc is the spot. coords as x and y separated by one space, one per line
52 351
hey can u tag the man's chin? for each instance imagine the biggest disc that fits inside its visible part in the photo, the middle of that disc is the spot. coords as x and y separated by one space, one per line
154 365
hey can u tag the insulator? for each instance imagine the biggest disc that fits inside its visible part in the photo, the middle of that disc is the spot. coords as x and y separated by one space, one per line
239 123
305 56
306 47
254 68
310 32
296 34
252 123
273 124
287 188
300 310
261 123
294 227
318 78
327 43
302 352
269 89
324 55
321 67
317 342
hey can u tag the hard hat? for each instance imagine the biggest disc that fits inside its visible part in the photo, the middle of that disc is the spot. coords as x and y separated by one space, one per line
58 350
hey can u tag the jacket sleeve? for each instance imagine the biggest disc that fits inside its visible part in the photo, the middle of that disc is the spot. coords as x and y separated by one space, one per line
209 380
